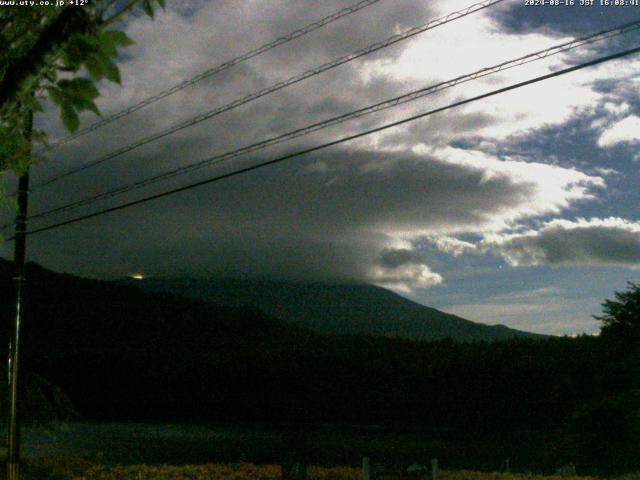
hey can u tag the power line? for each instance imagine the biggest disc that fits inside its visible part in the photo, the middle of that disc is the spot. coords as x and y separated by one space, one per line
402 99
218 68
336 142
277 86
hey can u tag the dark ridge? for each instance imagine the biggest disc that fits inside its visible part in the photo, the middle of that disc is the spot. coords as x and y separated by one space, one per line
338 308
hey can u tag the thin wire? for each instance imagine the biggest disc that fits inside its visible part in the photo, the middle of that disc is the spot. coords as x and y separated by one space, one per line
336 142
275 87
217 69
402 99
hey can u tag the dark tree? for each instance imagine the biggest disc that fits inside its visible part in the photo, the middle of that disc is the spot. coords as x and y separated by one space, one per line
621 318
620 339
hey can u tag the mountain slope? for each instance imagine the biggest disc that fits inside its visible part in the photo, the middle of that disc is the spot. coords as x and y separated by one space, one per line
122 352
338 309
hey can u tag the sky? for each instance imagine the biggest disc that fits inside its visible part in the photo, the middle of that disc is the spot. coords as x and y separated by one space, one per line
520 209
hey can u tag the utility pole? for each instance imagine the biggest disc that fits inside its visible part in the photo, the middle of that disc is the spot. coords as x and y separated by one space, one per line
19 254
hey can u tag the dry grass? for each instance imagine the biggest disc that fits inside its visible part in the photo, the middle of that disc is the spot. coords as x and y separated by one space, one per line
80 469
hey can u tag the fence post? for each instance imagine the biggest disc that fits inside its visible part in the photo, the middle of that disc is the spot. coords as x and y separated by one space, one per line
366 468
434 469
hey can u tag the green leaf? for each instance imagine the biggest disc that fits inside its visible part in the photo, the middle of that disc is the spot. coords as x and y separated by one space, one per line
78 89
117 38
71 59
111 72
56 95
37 106
94 68
50 75
74 96
101 66
107 49
77 50
147 5
69 117
92 107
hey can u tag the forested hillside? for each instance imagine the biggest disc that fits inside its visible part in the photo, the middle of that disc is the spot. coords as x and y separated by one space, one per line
337 308
121 353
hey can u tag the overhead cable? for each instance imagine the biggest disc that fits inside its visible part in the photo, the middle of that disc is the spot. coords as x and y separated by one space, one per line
217 69
393 102
274 88
334 142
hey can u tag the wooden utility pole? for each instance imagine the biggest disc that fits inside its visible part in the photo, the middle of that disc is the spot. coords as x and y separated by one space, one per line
19 254
366 468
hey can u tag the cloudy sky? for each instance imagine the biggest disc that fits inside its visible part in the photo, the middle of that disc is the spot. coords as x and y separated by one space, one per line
521 209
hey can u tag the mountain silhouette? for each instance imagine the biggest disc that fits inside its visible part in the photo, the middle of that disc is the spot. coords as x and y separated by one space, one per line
337 308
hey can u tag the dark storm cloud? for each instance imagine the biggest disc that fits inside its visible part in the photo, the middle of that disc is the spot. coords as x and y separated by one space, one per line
397 258
215 35
596 242
350 214
439 130
341 215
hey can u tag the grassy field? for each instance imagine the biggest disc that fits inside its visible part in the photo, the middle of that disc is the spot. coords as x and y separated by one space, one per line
48 468
326 445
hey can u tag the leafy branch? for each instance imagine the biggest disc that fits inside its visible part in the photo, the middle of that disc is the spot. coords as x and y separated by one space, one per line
42 44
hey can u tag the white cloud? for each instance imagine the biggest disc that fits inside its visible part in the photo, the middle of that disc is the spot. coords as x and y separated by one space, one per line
345 208
626 130
176 46
550 188
402 269
330 222
616 109
406 278
610 241
606 171
478 41
451 245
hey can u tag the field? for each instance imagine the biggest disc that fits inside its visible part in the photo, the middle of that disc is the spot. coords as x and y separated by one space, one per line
46 468
139 451
328 445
